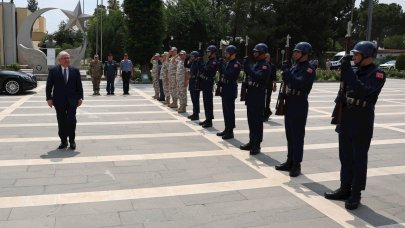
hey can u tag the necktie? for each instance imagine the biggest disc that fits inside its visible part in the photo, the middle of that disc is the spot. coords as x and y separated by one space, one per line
65 76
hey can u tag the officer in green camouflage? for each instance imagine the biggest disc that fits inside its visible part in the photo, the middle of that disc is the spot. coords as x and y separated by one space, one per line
96 71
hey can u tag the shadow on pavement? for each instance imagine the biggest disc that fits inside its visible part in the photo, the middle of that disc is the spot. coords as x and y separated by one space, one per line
364 212
58 155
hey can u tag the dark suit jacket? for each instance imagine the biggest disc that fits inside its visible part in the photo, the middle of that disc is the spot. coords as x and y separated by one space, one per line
62 93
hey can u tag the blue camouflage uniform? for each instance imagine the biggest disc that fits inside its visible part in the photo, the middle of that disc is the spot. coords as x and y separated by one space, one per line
207 85
195 92
257 77
110 71
299 80
356 129
229 91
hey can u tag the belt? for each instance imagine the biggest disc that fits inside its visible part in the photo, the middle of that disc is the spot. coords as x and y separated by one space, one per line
294 92
254 84
227 81
205 77
126 71
356 102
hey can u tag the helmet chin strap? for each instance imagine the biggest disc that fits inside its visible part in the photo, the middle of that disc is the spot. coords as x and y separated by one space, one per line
359 63
298 60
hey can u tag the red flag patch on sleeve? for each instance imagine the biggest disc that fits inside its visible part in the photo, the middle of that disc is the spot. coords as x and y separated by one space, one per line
379 75
309 70
264 67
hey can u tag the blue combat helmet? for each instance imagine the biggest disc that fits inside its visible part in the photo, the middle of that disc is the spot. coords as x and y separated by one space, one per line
303 47
261 47
366 49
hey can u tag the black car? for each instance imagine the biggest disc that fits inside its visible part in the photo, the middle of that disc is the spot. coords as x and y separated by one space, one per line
14 82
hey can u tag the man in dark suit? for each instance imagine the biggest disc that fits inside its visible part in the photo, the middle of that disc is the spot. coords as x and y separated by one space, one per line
64 90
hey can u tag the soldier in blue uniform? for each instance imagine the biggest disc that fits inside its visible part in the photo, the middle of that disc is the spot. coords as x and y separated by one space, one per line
195 67
357 123
229 90
207 85
299 80
110 72
271 86
257 77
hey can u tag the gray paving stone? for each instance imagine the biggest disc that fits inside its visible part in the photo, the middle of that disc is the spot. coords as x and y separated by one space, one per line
21 191
92 220
202 199
4 213
29 223
50 181
142 216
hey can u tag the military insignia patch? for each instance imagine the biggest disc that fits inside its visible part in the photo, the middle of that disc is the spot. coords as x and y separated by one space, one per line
236 65
264 67
379 75
309 70
214 63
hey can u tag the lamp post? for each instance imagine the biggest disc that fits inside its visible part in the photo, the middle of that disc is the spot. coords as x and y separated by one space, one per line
2 30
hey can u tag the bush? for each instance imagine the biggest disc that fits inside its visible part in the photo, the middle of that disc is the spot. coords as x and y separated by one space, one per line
400 64
14 67
327 75
395 74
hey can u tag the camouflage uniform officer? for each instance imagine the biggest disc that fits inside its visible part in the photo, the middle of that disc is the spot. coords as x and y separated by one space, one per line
155 74
96 71
172 77
165 77
299 80
357 123
181 82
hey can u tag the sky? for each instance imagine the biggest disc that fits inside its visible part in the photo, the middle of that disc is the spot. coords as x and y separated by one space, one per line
54 17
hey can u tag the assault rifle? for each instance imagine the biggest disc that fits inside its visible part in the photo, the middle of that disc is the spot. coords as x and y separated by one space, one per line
280 105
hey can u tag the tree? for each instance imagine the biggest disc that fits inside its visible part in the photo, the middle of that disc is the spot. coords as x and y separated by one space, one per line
387 21
394 42
145 30
32 5
71 37
194 21
113 5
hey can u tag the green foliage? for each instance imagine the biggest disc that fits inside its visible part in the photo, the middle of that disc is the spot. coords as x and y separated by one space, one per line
327 75
395 74
113 35
400 64
395 42
69 36
32 5
191 22
145 29
14 67
388 20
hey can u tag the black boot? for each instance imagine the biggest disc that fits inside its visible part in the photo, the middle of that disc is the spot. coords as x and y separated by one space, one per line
222 133
228 134
246 146
341 193
353 201
190 116
255 149
295 170
195 117
207 124
286 166
202 122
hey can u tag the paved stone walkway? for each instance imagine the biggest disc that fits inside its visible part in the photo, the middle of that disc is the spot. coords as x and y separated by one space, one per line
140 164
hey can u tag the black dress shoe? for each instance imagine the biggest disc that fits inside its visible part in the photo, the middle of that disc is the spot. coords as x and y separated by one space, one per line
202 123
195 117
228 135
255 149
353 202
112 94
207 124
295 170
247 146
62 146
108 94
286 166
73 146
222 133
190 116
341 193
